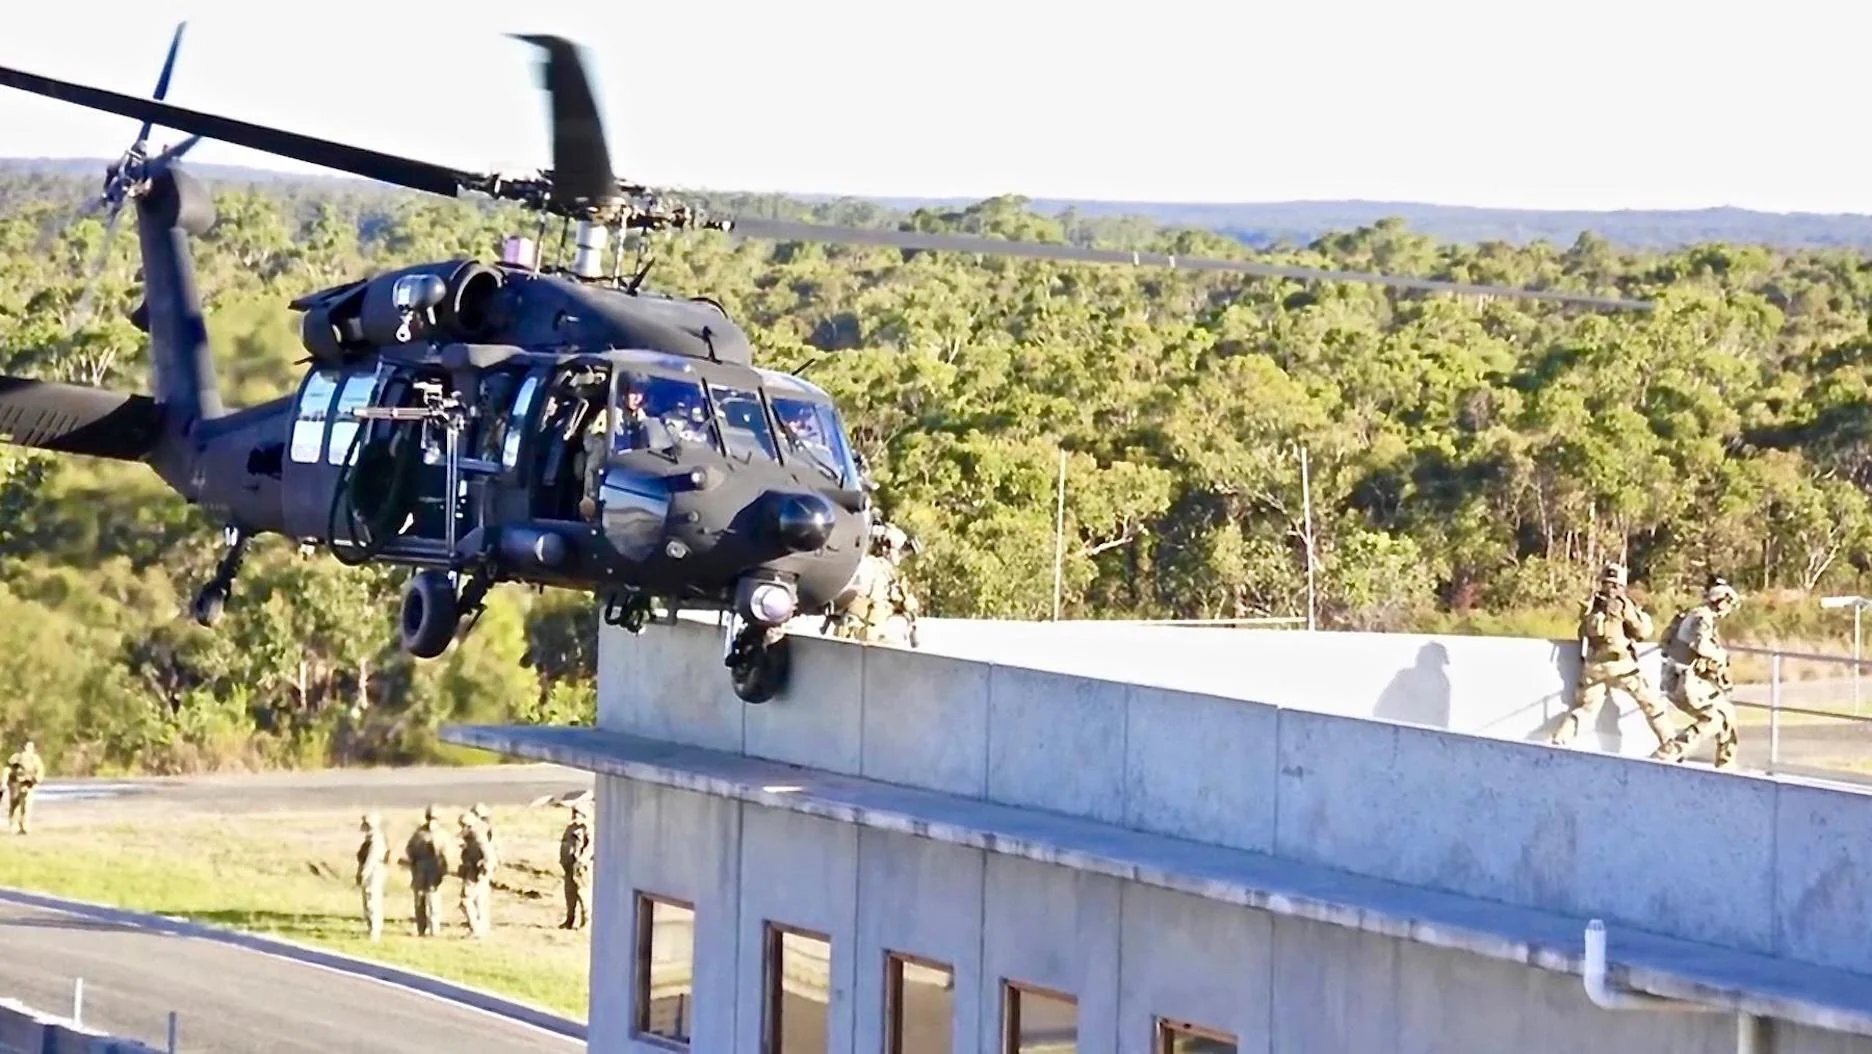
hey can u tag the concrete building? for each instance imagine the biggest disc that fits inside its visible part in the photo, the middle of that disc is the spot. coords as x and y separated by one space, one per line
969 848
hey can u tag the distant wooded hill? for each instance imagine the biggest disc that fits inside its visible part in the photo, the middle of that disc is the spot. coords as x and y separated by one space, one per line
1296 223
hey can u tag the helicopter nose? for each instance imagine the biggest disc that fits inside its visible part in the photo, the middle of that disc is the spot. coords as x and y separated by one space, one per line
801 522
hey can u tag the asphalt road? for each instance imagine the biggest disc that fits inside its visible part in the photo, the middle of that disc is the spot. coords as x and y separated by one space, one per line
387 789
230 999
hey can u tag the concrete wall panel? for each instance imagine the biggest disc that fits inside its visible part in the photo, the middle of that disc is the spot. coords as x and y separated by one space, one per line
1200 767
1798 1039
926 721
1823 876
802 872
1452 1001
818 721
1190 959
1561 830
923 898
669 683
1335 990
679 845
1056 742
1056 928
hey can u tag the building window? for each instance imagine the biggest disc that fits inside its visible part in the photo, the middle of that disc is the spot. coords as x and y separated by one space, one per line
1181 1037
665 997
919 1005
1038 1021
798 992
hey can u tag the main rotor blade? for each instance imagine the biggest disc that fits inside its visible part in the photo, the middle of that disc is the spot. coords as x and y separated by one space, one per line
162 82
388 168
788 231
581 160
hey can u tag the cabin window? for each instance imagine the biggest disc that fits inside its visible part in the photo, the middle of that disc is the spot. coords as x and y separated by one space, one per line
743 423
308 434
813 435
355 395
662 413
523 405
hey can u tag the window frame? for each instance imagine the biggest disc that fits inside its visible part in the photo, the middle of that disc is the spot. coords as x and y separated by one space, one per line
306 418
773 988
1160 1043
1010 1009
645 923
893 993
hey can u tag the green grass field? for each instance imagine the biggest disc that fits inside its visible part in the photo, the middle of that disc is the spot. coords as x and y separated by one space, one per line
290 875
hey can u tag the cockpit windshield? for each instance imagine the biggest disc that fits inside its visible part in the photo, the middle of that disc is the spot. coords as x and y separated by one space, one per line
813 435
744 423
662 414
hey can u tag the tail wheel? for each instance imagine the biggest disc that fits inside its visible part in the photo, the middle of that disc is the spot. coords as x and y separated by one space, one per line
430 614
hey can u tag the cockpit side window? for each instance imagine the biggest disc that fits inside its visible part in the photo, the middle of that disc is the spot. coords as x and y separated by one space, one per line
514 430
744 423
662 414
358 391
813 435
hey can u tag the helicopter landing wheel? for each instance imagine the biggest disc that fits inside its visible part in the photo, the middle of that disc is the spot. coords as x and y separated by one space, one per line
430 614
210 602
758 663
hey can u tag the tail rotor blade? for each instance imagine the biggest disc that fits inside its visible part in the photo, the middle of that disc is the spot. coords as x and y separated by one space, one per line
162 82
82 313
173 152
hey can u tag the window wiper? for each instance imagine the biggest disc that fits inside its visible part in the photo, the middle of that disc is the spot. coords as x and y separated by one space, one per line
800 445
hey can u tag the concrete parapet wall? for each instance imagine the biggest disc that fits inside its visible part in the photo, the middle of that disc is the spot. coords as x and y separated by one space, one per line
1741 861
24 1030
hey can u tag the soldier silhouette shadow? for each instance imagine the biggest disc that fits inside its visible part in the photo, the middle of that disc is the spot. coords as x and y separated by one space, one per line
1420 694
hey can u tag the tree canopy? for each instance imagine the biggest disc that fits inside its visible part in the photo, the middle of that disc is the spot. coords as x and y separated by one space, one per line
1470 459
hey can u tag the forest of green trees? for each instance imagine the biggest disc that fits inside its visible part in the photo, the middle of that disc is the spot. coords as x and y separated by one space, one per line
1471 460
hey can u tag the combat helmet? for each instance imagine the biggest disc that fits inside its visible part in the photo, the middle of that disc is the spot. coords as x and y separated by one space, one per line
1720 594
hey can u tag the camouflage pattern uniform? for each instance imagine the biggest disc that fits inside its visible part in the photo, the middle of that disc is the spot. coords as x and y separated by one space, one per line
575 859
24 771
881 608
373 866
477 875
1611 624
1697 677
428 852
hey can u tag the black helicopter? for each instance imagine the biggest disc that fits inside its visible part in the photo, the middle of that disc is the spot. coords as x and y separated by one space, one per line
510 420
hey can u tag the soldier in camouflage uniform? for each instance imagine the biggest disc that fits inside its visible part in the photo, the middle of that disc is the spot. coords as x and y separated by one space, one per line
477 875
881 607
1697 677
373 866
428 852
24 771
575 860
1611 625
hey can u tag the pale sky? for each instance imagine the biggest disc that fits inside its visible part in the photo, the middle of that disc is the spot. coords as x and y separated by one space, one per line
1592 104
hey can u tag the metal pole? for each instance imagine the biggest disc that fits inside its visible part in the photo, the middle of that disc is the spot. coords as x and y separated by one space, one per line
1059 537
1306 506
172 1032
1858 607
78 1001
1774 711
